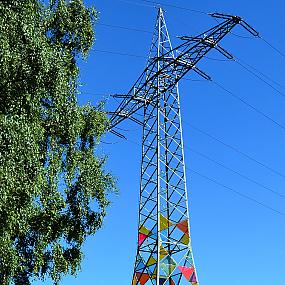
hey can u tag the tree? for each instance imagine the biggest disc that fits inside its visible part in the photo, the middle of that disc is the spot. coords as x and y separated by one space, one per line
53 187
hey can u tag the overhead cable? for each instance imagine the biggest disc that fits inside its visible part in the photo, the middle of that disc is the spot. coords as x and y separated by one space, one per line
124 28
242 63
273 47
240 36
136 3
260 72
82 92
260 78
268 207
118 53
235 172
236 97
249 105
237 192
235 149
175 6
203 13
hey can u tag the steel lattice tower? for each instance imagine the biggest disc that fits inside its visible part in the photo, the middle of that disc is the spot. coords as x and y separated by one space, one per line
164 253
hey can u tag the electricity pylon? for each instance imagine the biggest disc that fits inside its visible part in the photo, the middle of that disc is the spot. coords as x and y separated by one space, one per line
164 252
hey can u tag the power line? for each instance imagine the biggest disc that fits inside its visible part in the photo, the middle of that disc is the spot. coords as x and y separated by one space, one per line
236 172
264 40
220 86
228 188
195 80
249 105
237 192
176 7
217 59
109 143
231 93
238 60
136 3
261 73
240 36
236 97
247 67
95 94
259 77
273 47
127 130
118 53
235 150
243 64
195 11
241 100
124 28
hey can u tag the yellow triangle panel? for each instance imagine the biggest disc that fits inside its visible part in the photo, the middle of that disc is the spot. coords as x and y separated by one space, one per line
164 223
185 239
162 253
144 230
151 261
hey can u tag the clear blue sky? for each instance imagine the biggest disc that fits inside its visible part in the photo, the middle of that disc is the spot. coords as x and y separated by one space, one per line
235 240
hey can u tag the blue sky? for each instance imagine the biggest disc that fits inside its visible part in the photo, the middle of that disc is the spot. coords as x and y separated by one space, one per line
237 239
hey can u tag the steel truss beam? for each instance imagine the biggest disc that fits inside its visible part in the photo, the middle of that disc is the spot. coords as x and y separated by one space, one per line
180 59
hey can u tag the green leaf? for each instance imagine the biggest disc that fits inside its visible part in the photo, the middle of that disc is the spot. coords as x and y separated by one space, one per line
54 190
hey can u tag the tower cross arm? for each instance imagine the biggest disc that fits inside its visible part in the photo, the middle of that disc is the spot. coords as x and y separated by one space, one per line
174 65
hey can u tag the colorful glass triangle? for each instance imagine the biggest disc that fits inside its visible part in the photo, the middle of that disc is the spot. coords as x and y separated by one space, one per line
185 239
154 274
193 278
164 223
183 226
162 253
144 230
167 268
151 261
142 238
142 277
186 271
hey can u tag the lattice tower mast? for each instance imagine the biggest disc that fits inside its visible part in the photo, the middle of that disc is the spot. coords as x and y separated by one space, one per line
164 250
164 253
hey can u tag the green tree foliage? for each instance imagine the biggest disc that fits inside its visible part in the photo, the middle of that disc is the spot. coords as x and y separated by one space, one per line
53 188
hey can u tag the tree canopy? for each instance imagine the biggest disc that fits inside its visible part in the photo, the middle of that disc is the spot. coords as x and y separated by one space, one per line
53 186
